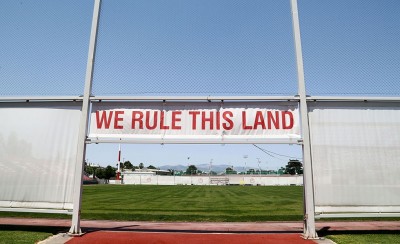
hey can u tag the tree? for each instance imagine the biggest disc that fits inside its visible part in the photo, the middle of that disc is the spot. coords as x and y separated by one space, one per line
101 173
128 165
178 172
109 172
151 167
141 166
230 171
89 169
294 167
121 165
191 170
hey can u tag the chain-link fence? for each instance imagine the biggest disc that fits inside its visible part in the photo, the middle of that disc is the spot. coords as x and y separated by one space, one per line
351 47
43 47
189 47
182 47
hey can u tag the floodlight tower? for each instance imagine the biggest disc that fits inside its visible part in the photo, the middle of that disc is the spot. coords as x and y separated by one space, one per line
245 164
259 168
209 172
119 163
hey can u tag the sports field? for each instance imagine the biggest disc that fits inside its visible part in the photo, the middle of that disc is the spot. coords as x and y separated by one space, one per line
187 203
192 203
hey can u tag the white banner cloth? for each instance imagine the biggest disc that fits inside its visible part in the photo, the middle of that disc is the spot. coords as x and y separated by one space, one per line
355 152
38 146
195 121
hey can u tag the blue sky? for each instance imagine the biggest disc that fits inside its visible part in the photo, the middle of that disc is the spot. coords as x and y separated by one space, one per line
43 47
193 47
173 154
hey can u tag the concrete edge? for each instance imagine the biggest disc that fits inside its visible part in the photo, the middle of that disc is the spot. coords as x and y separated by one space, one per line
57 239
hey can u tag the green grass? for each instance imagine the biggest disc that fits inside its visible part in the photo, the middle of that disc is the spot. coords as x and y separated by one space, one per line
26 234
188 203
34 215
366 238
192 203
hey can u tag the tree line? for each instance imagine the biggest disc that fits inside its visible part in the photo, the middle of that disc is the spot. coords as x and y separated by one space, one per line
293 167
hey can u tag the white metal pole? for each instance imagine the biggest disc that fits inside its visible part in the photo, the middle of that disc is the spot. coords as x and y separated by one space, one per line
309 209
75 225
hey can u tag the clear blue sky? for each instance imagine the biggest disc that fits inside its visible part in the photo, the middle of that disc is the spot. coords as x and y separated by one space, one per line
172 154
191 47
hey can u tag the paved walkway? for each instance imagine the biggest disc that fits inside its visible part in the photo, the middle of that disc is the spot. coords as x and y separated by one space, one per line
105 231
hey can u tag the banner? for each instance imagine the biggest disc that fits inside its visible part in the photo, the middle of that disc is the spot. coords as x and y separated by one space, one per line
195 121
38 154
355 156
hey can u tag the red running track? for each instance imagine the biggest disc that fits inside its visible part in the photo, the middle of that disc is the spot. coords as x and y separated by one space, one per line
101 237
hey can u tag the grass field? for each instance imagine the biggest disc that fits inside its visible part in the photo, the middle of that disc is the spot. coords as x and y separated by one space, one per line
26 234
187 203
375 238
192 203
172 203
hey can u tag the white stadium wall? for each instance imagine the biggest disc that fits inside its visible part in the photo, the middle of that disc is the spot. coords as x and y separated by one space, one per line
143 179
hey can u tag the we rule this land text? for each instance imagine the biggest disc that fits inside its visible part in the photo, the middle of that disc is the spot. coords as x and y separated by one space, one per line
195 119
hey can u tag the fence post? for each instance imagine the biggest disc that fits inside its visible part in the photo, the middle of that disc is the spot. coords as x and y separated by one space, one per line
75 225
309 209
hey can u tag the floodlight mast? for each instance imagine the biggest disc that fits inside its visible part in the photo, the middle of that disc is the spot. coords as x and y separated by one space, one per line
245 164
77 196
119 163
309 208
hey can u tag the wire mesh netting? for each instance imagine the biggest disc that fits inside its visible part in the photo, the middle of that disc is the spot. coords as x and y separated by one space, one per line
44 47
351 47
183 47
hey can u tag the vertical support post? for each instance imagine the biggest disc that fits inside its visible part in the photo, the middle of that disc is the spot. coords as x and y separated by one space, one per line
119 163
309 209
75 225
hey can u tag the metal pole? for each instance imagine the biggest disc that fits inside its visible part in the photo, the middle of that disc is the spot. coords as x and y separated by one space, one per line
75 225
209 173
309 213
